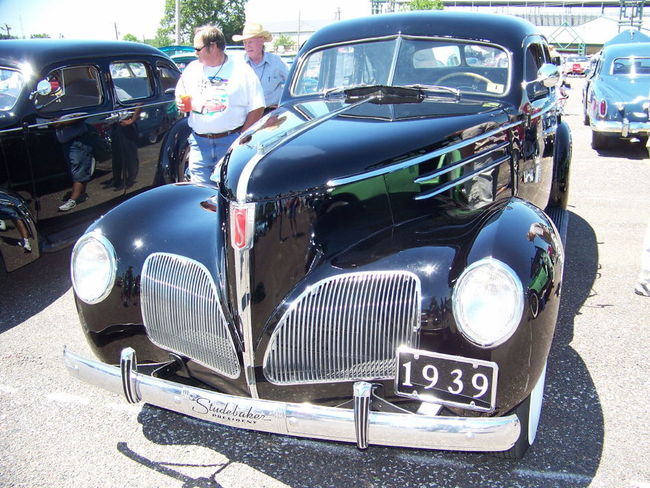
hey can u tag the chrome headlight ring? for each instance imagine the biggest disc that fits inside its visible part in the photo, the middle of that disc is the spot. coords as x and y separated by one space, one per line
488 302
93 267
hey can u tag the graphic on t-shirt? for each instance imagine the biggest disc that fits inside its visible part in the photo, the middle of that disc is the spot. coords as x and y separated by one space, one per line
215 95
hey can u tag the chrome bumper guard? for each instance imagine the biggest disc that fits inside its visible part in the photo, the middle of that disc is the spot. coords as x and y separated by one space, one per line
360 425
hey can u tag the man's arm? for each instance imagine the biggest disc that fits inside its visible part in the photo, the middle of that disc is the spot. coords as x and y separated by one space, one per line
252 117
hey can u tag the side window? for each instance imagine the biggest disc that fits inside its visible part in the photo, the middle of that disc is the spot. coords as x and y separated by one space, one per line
71 88
131 80
534 60
168 77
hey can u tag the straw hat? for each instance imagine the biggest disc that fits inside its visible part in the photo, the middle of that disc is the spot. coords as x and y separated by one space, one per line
253 30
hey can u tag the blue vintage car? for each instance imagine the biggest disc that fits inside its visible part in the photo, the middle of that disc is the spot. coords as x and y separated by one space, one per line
379 260
616 102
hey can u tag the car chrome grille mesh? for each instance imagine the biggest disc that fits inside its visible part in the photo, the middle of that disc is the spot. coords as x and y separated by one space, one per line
181 312
345 328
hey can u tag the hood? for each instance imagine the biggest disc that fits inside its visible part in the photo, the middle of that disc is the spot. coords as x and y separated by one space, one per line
301 146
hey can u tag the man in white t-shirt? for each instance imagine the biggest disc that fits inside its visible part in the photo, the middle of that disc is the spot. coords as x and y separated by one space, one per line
223 98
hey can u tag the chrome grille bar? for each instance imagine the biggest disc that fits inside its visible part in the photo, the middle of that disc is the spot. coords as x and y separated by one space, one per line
181 312
345 328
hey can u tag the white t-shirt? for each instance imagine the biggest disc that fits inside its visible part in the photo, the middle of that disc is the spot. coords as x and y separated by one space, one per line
222 96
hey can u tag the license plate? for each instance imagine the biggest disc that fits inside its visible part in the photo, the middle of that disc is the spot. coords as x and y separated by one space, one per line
448 380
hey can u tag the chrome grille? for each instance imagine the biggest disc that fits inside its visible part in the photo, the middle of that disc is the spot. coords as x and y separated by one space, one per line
181 312
345 328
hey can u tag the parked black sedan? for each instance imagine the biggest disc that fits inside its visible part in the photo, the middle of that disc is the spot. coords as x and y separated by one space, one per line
87 111
378 261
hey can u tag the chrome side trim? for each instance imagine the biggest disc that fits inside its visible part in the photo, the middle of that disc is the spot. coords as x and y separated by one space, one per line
465 178
182 314
419 159
448 169
306 420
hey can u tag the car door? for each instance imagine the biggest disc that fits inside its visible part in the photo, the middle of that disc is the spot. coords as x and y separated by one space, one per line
143 91
73 110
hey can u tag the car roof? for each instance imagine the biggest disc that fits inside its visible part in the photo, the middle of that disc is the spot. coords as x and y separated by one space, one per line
40 52
499 29
626 50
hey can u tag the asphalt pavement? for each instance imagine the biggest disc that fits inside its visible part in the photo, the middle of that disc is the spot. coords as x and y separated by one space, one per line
594 430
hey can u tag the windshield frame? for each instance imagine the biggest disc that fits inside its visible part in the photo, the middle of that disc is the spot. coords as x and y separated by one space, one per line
399 39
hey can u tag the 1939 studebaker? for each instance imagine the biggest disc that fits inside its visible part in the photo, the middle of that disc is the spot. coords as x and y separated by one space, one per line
378 262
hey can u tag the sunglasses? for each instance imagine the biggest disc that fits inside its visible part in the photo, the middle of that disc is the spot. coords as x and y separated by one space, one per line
198 49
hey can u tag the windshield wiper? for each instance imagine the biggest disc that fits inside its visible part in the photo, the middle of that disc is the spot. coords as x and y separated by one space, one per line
436 89
382 94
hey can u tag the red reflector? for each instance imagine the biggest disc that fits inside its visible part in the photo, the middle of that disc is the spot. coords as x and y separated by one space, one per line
603 108
239 237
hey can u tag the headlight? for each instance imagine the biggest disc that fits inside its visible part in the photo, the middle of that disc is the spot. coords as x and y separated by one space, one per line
488 302
93 267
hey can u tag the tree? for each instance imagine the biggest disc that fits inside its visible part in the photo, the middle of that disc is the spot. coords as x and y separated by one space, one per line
425 5
39 36
130 37
282 40
228 15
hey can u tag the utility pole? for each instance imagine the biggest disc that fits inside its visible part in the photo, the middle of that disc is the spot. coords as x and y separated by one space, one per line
117 37
178 22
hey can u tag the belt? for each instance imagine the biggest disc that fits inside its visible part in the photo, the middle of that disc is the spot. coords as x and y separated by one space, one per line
219 135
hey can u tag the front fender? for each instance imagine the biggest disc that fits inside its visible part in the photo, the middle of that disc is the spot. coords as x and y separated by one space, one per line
173 152
179 218
19 238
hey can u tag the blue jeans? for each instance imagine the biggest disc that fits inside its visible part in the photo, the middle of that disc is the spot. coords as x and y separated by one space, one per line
205 153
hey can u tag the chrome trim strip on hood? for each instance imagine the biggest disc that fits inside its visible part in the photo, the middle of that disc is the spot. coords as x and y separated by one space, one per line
304 420
419 159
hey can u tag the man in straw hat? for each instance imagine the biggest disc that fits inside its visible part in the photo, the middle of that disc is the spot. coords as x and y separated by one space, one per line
270 68
223 98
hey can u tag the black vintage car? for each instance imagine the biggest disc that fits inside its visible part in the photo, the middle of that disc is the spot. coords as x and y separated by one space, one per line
112 101
378 262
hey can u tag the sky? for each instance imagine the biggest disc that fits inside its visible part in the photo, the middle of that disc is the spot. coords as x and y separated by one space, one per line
93 19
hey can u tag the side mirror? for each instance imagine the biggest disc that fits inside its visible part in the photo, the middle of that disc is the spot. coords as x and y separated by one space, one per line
42 88
548 75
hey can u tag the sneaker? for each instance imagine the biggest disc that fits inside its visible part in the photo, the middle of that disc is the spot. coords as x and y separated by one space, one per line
3 226
25 245
642 289
82 198
69 205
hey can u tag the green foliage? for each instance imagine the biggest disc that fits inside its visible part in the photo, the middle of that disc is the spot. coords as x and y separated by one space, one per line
285 41
130 37
39 36
228 15
425 5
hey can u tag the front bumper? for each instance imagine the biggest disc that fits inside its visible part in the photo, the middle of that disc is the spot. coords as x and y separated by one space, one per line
624 128
359 425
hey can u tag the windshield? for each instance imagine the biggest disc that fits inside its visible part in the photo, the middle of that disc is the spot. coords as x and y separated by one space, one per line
11 83
631 66
465 66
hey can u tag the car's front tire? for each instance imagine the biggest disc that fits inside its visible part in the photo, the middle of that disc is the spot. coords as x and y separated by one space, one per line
529 412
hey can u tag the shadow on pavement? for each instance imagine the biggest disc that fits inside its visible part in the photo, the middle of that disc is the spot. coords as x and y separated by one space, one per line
567 451
29 290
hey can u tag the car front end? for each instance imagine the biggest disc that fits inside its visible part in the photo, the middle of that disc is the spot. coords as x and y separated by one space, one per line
363 270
